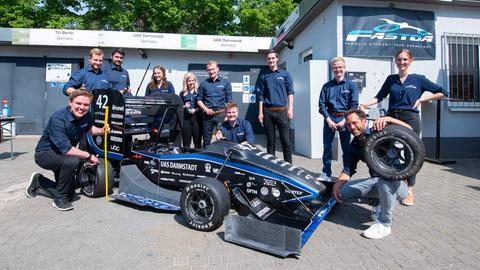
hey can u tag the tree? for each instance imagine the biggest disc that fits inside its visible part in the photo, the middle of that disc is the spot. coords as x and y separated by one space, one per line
263 17
214 17
39 13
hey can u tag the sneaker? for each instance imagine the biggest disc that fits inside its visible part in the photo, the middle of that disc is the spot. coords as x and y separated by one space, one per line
408 201
62 204
375 213
324 177
31 189
377 231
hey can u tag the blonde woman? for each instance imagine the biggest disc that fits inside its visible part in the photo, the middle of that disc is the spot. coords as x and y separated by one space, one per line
192 114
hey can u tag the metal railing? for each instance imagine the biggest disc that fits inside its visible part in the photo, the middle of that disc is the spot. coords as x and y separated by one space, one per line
461 65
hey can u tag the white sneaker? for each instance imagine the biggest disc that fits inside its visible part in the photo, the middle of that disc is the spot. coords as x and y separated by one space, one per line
324 177
377 231
375 213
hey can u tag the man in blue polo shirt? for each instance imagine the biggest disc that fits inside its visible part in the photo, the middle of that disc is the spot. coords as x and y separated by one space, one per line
275 105
213 94
338 96
117 75
57 150
89 78
235 129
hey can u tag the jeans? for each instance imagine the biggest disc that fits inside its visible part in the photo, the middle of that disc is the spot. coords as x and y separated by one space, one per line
211 122
328 136
63 167
387 192
413 119
278 119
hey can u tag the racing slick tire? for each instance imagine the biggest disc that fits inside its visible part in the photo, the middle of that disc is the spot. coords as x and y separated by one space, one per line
92 179
204 203
394 153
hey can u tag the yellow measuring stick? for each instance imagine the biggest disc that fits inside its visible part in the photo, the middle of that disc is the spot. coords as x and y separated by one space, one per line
105 152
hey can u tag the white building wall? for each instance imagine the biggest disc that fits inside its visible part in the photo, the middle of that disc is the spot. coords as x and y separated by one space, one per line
175 62
325 36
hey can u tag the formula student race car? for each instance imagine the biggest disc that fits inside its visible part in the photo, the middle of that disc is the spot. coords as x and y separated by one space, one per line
279 205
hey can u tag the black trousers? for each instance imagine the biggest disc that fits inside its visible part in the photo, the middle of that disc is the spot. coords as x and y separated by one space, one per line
192 124
279 120
413 119
210 122
63 167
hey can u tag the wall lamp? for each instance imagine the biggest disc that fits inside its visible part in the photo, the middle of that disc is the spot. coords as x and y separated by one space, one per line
289 44
142 53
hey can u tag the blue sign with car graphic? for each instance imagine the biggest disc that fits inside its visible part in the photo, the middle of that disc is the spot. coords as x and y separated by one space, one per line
381 32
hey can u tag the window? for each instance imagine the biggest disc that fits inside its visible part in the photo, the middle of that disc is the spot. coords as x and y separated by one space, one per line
463 69
306 56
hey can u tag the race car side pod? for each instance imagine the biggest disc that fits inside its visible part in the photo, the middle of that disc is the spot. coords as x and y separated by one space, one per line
273 238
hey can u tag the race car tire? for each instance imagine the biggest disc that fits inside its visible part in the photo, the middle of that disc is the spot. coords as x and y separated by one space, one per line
92 179
394 153
204 203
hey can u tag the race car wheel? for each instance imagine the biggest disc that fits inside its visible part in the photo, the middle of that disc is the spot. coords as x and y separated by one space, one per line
92 179
394 153
204 203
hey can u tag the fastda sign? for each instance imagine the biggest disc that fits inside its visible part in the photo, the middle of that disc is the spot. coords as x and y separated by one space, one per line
381 32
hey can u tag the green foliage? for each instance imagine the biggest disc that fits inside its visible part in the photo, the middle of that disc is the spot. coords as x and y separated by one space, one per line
217 17
262 17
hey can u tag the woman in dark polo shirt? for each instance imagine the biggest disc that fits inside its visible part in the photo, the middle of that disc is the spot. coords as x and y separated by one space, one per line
405 98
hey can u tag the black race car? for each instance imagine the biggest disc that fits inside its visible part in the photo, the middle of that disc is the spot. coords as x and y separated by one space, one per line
278 205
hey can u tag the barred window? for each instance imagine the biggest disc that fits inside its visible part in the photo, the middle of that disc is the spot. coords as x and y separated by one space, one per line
463 69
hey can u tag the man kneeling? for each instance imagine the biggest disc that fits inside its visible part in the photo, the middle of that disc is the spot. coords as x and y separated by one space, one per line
233 128
387 192
57 150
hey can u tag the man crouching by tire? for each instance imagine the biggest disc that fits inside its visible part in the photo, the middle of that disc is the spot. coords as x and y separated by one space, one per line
57 150
386 191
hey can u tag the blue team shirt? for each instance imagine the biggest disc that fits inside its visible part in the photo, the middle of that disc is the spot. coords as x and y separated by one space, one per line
63 131
215 94
242 131
89 78
355 154
338 97
189 97
274 87
152 89
118 78
404 95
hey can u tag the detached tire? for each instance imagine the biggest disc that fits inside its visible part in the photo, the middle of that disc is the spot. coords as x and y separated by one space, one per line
92 179
204 203
394 153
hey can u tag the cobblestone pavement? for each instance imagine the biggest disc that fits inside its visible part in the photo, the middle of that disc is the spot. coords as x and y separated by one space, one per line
442 230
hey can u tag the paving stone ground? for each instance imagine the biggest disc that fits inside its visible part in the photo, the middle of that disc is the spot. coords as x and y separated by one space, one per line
442 230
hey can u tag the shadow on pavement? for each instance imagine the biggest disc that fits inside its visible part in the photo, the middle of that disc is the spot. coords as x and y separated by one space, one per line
465 167
350 215
6 155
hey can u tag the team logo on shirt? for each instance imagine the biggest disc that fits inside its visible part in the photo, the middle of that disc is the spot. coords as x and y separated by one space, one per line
280 78
411 86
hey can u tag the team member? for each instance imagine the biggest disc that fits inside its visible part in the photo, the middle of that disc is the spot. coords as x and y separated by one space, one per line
235 129
192 114
56 150
275 105
405 91
117 75
337 97
213 94
386 191
89 78
159 83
